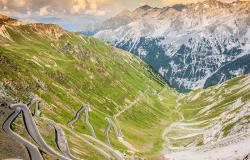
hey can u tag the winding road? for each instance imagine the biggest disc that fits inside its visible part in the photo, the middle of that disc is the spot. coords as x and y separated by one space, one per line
110 123
116 125
76 117
33 130
86 109
131 104
168 129
61 138
107 129
61 141
115 153
38 107
33 151
38 102
119 131
91 129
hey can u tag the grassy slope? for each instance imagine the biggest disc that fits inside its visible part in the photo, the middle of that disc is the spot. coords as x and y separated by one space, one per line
213 113
75 70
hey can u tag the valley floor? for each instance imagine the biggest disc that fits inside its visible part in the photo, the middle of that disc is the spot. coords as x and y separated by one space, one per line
213 125
230 148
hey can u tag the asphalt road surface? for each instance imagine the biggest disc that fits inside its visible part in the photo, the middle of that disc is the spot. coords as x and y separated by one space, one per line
33 151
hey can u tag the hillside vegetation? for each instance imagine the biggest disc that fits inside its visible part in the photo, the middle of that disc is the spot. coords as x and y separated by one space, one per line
115 103
67 70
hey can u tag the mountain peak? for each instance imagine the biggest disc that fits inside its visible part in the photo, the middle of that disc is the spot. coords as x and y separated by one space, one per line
140 11
164 33
145 7
3 17
51 30
125 12
10 21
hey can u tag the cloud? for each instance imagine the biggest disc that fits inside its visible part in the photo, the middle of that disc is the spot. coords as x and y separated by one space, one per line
52 7
72 14
74 7
43 11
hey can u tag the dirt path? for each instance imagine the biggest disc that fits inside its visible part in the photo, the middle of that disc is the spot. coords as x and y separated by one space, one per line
168 129
117 127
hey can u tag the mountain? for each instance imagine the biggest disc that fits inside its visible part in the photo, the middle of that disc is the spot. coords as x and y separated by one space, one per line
64 71
214 123
189 44
68 96
122 18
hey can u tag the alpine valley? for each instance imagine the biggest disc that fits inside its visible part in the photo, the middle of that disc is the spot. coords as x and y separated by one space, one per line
191 46
183 95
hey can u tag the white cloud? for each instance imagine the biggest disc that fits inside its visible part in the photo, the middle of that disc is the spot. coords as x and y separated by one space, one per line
73 14
51 7
43 11
19 3
78 6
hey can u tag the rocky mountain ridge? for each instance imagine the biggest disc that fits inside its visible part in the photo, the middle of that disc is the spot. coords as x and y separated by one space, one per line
189 45
51 30
83 99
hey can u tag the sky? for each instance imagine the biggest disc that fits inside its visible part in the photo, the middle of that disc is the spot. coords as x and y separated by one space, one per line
74 14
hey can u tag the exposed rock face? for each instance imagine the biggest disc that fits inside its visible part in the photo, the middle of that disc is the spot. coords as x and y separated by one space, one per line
51 30
4 33
247 157
7 20
4 18
190 45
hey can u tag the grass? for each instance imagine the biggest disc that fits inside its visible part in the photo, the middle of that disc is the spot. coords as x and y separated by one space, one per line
219 101
75 70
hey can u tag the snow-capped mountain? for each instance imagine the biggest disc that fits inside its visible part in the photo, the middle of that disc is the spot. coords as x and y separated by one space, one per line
192 46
